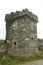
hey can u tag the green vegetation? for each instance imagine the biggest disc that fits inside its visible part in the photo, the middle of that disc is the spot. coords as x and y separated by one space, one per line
6 59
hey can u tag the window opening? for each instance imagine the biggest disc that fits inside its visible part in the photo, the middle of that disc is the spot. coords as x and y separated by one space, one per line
14 43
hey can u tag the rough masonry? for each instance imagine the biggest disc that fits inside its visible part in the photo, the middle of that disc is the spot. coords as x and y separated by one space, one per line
21 33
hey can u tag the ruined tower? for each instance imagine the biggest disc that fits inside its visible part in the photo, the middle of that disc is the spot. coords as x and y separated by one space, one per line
21 33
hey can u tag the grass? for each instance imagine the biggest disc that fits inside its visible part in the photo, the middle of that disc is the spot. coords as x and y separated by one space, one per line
6 59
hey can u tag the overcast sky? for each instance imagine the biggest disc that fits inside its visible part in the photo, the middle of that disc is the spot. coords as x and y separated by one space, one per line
7 6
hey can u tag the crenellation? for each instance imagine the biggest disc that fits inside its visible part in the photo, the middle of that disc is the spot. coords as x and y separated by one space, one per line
17 14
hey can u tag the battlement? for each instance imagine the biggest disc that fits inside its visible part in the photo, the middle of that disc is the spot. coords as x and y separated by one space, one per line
17 14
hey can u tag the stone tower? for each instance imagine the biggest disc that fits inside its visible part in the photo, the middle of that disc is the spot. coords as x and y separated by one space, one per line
21 33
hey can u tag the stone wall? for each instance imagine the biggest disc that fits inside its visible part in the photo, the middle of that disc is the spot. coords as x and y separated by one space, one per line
40 44
21 33
2 46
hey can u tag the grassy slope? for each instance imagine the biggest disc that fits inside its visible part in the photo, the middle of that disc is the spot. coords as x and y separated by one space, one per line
6 59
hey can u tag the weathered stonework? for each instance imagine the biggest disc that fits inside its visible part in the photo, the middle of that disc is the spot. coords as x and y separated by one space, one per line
2 46
40 44
21 33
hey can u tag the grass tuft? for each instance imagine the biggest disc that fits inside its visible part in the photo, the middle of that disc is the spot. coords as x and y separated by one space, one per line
6 59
